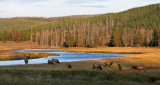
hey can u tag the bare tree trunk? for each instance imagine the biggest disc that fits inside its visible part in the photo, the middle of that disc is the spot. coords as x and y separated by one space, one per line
56 38
159 39
36 37
107 24
31 37
51 38
47 35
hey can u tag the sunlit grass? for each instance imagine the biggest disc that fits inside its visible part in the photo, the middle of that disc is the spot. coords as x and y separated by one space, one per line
8 55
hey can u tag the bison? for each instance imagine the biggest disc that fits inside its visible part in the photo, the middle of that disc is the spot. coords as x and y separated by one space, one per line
108 64
69 66
141 67
97 66
55 61
119 67
50 62
26 59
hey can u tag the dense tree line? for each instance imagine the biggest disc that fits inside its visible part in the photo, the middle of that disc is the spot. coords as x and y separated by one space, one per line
135 27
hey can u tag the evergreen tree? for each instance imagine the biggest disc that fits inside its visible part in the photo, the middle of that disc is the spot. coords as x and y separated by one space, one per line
111 42
139 38
87 30
154 41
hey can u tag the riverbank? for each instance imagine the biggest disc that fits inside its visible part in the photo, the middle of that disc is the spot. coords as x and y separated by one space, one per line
9 55
147 56
6 54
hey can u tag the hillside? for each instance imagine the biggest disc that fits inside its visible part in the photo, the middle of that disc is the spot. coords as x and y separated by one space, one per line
134 27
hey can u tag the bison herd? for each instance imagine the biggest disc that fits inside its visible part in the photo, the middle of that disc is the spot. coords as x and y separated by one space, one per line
109 64
95 66
53 61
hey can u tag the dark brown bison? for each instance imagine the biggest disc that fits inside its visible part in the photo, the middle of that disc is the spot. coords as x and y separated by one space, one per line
97 66
69 66
119 67
50 62
26 60
108 64
141 67
55 61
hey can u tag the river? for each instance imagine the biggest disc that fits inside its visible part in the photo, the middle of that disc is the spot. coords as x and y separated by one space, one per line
64 57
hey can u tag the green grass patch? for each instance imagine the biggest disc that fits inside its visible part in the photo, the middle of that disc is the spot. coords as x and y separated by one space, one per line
73 75
81 74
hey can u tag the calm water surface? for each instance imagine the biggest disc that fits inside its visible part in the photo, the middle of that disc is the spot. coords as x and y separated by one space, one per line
64 57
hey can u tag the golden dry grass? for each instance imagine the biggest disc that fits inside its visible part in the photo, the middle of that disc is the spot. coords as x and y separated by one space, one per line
8 55
141 55
10 45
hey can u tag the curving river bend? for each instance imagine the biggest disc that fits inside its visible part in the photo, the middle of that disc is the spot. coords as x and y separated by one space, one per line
64 57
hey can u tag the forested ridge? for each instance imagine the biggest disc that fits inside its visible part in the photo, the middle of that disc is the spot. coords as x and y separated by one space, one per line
135 27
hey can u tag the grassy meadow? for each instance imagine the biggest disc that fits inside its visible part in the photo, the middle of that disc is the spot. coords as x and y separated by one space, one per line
83 74
8 55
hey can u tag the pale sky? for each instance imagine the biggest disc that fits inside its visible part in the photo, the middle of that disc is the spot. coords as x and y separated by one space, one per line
57 8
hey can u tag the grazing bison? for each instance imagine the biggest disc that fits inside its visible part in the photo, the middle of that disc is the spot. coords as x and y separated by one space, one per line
69 66
97 66
108 64
50 62
55 60
141 67
119 67
26 60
